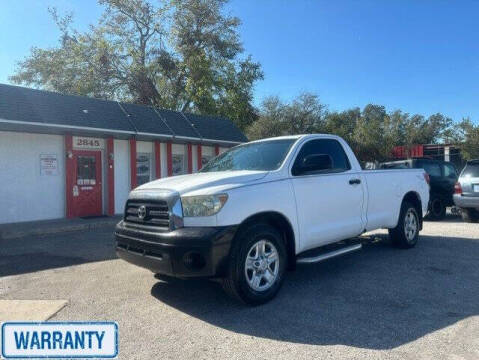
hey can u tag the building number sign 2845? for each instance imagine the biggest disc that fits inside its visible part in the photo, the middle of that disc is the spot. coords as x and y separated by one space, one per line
87 143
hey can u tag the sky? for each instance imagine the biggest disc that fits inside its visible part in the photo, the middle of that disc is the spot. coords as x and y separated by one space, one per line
420 56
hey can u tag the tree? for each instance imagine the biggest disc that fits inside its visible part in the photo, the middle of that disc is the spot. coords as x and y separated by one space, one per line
303 115
182 55
271 120
342 123
369 140
420 130
395 128
466 134
372 132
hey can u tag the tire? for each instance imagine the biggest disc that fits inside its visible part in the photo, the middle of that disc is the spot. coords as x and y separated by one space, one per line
437 208
470 215
242 275
406 234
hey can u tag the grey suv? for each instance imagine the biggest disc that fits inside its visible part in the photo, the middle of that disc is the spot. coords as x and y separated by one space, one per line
466 192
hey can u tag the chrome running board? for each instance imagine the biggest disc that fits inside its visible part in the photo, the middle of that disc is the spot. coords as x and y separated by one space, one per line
328 255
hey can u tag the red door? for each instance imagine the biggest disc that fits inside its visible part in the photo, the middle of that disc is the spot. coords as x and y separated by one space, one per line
87 199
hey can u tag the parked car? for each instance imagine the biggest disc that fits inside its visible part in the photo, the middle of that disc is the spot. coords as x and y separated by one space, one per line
259 208
466 195
443 177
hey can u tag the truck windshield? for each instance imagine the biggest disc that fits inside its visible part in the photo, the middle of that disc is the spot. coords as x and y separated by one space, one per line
265 155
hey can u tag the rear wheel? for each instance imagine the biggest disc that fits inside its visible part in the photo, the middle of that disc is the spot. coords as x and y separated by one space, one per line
406 233
437 208
257 265
470 215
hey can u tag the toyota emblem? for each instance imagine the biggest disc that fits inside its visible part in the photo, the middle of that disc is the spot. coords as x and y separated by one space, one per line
141 212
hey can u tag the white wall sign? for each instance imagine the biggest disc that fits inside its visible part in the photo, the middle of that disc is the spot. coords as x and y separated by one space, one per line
48 164
87 143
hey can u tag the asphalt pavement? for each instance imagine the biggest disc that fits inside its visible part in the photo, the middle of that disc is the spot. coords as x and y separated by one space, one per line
378 303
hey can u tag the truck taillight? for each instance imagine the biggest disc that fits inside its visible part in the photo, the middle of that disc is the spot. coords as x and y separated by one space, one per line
457 188
427 178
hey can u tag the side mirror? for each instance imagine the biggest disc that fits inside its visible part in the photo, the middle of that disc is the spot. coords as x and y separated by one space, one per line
315 163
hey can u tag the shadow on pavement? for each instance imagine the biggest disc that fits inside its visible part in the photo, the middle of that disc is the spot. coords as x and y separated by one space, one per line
35 253
379 298
449 218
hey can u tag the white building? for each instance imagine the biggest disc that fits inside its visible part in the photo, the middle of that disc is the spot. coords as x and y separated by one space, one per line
71 156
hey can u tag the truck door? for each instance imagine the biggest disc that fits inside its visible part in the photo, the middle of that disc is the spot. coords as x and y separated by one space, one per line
329 201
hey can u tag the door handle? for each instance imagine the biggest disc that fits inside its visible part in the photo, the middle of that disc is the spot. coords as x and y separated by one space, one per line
354 181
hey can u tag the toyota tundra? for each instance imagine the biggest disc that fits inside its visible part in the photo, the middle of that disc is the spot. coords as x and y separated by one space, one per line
259 208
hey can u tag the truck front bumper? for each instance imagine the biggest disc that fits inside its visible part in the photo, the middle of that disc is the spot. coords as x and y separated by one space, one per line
185 252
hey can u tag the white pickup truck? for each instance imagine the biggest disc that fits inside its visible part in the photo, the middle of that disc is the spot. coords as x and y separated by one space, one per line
256 210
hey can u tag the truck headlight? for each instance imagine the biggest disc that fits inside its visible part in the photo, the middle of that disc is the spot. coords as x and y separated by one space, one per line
202 205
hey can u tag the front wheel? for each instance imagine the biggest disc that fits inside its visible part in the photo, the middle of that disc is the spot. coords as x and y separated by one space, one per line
257 265
406 233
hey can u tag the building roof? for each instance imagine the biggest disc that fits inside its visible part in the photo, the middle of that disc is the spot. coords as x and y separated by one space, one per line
210 126
24 109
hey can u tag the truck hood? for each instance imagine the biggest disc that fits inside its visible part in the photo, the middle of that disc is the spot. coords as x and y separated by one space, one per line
191 182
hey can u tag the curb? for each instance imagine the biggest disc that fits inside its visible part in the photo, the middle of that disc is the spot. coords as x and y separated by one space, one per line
56 229
30 310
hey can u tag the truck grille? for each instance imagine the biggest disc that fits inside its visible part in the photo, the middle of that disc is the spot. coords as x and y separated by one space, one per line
148 212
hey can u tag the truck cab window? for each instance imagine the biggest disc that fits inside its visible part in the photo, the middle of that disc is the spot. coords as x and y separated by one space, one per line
331 147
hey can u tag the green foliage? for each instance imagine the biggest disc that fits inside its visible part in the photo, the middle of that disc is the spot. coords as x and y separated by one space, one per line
372 132
342 123
182 55
466 134
369 135
305 114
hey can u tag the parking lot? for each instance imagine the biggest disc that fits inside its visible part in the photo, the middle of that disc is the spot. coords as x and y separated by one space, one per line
379 303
